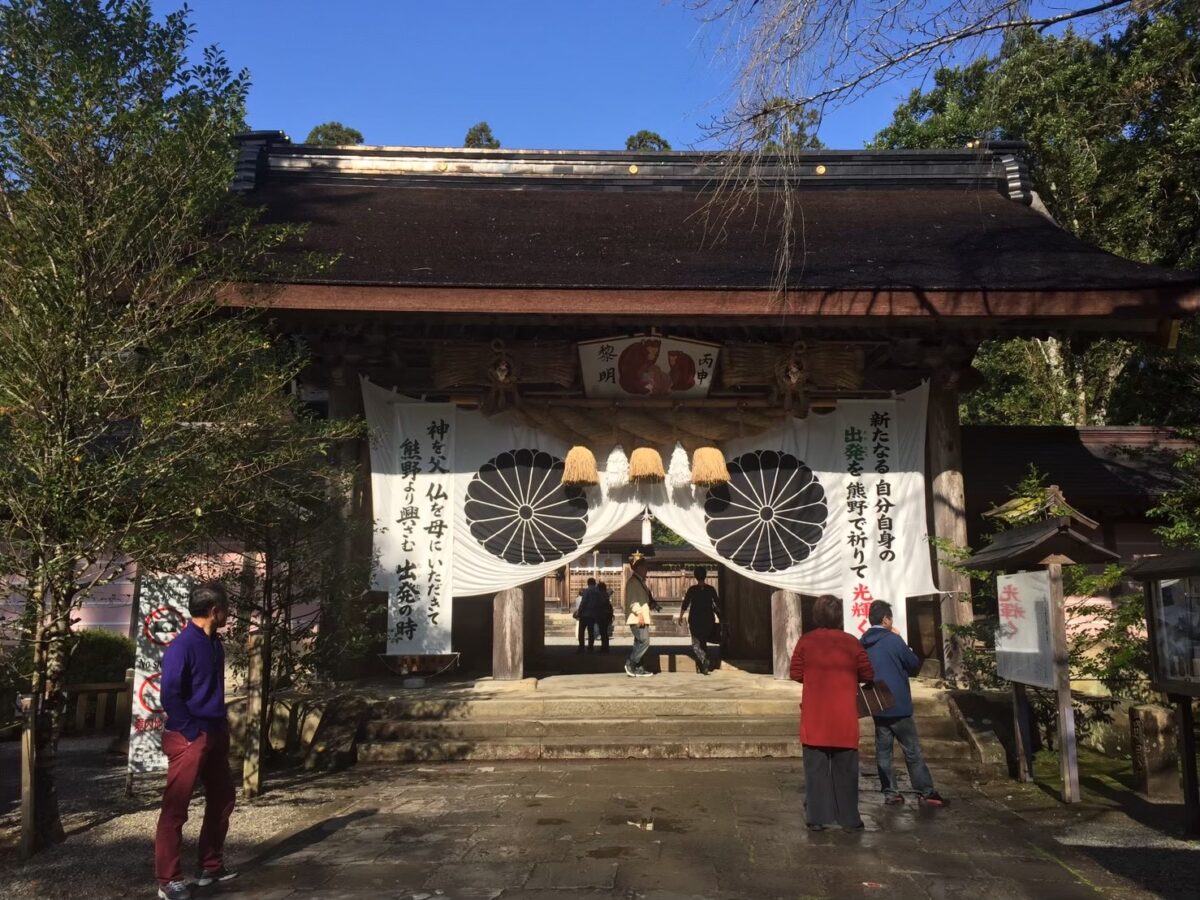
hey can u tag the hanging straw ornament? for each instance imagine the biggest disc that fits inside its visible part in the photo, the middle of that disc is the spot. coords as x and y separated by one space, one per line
646 466
708 467
616 469
679 473
579 468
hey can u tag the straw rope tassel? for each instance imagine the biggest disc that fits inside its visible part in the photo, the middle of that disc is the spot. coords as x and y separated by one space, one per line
579 468
646 465
616 469
679 473
708 467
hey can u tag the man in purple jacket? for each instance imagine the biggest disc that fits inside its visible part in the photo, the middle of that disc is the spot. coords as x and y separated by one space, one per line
196 743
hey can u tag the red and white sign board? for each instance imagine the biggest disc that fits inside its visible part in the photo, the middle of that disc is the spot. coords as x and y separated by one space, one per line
1024 652
647 366
162 612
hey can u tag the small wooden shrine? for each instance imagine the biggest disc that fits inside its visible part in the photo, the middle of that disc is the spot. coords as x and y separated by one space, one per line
617 296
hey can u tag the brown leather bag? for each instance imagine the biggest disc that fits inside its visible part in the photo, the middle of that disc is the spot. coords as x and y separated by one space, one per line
874 698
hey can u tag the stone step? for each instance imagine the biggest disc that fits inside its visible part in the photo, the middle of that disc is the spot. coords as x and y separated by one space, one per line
660 728
607 707
632 747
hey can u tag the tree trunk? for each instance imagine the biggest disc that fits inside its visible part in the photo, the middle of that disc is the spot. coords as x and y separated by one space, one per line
49 664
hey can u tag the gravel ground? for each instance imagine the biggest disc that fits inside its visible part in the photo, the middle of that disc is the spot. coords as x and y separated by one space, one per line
110 846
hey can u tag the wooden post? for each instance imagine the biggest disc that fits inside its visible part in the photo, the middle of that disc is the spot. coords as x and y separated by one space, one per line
785 631
1187 754
508 635
948 510
253 742
1068 758
30 707
1022 732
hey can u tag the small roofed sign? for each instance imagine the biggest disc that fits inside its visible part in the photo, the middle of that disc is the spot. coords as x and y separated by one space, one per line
647 366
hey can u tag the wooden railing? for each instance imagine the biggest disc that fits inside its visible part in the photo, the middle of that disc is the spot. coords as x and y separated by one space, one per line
100 706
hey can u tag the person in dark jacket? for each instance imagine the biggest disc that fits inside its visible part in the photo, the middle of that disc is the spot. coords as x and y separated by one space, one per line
701 606
830 664
196 744
893 662
591 615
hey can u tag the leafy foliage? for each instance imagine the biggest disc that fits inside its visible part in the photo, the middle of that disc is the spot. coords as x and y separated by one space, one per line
136 411
1114 131
646 140
479 136
333 134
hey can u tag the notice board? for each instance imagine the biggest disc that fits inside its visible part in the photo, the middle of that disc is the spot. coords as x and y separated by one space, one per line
1024 650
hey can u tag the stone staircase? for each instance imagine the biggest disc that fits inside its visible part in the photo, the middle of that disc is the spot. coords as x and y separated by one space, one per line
668 717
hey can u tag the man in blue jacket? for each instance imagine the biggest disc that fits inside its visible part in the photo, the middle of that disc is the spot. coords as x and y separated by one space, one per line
893 662
196 744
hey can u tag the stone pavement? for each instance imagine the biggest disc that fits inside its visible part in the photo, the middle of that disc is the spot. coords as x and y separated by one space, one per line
654 829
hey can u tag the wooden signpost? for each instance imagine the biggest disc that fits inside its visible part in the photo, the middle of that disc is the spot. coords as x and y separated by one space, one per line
1031 642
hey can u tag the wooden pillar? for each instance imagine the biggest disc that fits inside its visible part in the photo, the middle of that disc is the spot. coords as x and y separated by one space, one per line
1187 755
1022 732
785 631
948 510
1068 758
508 635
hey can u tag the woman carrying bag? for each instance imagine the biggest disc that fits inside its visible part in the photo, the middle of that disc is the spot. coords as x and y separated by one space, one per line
830 664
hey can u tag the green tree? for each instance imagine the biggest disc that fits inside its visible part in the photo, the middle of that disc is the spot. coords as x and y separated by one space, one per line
646 140
779 127
1113 127
136 412
333 134
480 137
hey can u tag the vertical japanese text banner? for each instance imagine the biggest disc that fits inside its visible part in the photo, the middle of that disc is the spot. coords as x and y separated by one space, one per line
162 613
412 485
867 437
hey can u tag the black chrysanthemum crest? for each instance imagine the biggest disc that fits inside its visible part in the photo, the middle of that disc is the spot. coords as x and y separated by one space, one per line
520 511
771 513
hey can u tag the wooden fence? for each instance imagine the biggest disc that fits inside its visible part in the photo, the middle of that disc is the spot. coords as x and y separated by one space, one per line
100 706
667 586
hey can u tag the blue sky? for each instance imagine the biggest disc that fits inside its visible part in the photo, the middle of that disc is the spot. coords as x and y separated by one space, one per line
579 74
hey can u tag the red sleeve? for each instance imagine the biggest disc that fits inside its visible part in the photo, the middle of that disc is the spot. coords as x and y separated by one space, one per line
865 672
797 670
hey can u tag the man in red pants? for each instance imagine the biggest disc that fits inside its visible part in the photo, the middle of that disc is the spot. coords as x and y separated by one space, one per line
196 743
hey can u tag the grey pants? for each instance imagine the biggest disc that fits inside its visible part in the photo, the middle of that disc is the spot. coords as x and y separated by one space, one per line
641 643
831 787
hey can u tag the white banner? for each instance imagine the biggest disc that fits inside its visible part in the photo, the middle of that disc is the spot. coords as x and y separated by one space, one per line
162 611
412 483
789 517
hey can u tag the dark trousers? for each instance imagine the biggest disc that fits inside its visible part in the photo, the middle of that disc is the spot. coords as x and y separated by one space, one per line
204 759
588 626
831 786
905 731
699 651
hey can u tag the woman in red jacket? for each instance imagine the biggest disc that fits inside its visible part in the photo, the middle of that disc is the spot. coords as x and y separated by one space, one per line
830 664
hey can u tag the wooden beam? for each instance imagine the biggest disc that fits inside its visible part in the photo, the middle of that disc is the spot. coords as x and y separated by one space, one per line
948 511
1136 304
